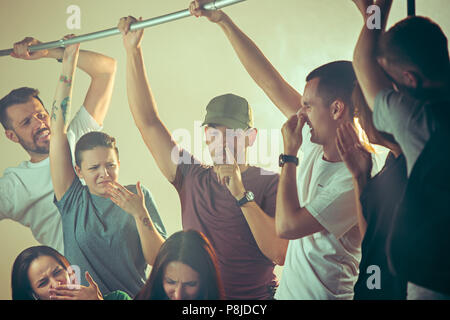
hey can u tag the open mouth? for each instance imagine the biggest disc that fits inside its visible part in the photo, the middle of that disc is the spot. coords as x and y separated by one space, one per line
42 135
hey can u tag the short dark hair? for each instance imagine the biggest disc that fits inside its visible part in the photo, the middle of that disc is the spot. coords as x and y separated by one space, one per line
336 81
419 42
193 249
92 140
16 96
20 283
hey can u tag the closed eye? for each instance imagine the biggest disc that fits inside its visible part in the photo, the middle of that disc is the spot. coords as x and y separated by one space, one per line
190 284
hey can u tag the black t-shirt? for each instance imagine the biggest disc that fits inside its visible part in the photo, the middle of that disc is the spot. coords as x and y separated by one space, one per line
379 201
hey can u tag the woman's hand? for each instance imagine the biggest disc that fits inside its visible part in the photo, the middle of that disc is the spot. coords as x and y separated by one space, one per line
77 292
355 156
130 202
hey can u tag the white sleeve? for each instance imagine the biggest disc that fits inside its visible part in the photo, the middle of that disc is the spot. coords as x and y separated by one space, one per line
397 114
334 207
81 124
6 198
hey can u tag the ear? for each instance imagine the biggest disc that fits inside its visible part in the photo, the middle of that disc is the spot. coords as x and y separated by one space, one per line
410 79
11 135
251 136
78 172
337 109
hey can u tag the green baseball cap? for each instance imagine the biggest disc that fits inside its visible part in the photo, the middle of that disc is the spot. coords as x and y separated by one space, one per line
229 110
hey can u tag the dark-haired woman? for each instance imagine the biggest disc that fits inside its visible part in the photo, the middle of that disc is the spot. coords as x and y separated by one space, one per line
377 200
185 269
110 231
42 273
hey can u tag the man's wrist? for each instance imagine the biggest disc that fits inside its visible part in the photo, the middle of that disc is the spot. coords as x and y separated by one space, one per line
240 195
291 152
133 50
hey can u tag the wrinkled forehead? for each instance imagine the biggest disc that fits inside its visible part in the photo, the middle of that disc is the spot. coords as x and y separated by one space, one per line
41 266
98 155
20 111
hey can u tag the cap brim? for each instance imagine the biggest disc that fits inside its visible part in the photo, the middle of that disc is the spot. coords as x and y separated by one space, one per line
229 123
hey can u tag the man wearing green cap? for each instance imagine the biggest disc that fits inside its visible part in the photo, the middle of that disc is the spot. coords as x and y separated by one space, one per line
231 202
318 211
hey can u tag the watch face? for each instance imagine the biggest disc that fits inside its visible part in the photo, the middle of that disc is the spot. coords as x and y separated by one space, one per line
250 196
280 161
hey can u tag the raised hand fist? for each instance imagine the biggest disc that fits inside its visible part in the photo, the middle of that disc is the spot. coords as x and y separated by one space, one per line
212 15
131 39
20 50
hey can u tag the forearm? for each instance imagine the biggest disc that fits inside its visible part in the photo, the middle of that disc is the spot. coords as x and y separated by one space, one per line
359 185
60 157
151 240
61 103
93 63
286 98
370 76
140 97
263 230
288 204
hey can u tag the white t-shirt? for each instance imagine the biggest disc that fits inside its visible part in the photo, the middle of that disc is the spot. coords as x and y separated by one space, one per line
407 119
26 191
323 265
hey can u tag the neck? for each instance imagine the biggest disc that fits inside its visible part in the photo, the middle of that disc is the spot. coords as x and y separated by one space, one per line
37 157
330 152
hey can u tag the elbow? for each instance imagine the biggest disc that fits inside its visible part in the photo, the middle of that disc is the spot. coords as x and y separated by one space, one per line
283 229
111 67
280 258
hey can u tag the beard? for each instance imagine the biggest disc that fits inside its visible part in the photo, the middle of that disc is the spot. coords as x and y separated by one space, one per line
33 147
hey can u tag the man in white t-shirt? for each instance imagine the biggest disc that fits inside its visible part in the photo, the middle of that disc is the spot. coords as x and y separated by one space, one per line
26 191
318 210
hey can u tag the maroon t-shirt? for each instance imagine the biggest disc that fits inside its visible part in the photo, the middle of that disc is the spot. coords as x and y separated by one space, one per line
210 208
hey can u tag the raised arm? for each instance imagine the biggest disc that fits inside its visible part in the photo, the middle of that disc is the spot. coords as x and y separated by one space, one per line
283 95
143 105
100 68
370 75
60 157
292 220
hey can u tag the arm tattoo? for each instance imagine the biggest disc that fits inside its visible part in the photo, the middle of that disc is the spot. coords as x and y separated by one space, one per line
54 109
66 80
64 107
147 222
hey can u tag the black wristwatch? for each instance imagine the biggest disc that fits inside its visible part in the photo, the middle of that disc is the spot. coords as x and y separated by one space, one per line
285 158
248 197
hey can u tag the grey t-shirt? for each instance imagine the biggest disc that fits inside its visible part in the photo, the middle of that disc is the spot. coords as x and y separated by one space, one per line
101 238
407 119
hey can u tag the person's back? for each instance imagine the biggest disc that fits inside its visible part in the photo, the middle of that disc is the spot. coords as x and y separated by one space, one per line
420 233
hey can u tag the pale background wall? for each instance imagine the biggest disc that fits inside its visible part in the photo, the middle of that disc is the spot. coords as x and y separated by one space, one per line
189 62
